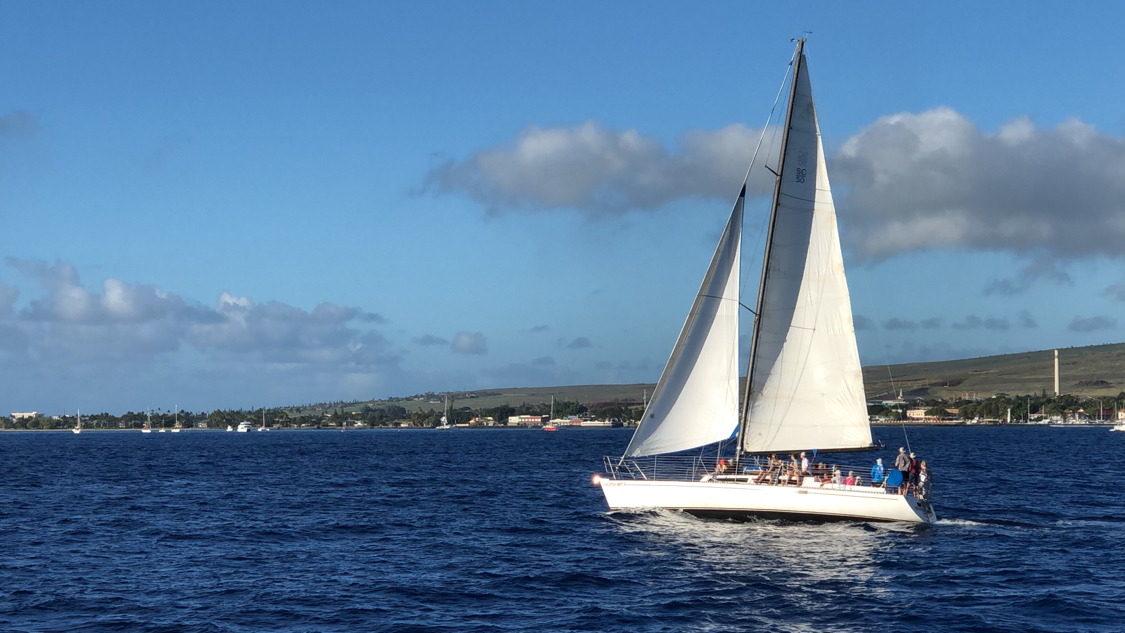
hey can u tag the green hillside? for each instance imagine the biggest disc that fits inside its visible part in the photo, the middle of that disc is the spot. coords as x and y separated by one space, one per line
1098 370
1085 371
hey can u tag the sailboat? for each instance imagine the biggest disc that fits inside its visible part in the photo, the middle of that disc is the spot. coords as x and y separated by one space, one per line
147 428
552 424
804 387
445 425
263 427
176 425
78 429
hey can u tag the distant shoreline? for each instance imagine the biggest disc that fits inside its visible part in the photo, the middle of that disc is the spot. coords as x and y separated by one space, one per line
325 429
532 428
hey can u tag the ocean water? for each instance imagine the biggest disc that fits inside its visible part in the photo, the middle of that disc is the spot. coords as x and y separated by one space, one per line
502 531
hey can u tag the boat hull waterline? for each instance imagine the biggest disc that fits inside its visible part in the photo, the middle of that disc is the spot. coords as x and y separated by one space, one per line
742 501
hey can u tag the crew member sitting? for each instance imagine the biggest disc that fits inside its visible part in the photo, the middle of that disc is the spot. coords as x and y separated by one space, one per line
720 468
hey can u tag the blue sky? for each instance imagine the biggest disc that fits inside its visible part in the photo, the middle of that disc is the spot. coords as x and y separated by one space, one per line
263 204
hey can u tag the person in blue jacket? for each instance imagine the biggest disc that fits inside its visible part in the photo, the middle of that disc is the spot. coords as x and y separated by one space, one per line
894 480
877 473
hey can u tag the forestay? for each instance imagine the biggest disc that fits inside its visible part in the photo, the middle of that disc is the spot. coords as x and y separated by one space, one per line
807 385
696 401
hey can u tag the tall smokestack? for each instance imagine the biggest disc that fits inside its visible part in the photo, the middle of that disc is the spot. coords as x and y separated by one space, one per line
1056 372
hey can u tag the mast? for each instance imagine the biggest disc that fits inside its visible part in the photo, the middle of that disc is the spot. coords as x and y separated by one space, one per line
744 418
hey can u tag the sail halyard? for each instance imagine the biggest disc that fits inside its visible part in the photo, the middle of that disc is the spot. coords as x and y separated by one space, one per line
804 385
695 403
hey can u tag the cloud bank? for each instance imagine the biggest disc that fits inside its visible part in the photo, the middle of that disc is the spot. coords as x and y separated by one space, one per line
907 182
935 180
137 322
594 169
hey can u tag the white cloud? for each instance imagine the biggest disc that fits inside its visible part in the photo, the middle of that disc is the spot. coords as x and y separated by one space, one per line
469 343
591 168
908 181
137 322
934 180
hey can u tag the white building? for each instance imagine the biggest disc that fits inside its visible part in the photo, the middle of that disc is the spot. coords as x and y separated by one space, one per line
21 416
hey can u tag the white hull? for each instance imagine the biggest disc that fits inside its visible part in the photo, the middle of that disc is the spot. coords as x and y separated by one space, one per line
740 500
1119 427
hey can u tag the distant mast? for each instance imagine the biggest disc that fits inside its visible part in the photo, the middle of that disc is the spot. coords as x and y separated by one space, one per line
1056 373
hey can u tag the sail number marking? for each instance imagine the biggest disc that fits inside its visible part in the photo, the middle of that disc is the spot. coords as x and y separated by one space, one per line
802 160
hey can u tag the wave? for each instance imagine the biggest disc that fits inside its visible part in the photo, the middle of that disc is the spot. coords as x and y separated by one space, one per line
962 522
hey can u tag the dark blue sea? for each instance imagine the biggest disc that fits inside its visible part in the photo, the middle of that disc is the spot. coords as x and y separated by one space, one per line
502 531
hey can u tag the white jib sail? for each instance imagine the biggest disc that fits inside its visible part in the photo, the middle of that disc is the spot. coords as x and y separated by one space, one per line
696 401
807 389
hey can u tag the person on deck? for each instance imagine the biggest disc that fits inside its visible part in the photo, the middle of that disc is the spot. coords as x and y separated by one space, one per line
894 481
924 479
771 465
877 473
902 465
793 473
913 471
720 468
804 465
850 481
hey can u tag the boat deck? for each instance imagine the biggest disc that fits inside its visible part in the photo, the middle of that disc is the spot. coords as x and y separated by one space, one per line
672 468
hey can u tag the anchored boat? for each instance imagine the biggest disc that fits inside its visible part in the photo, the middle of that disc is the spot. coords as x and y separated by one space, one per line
804 387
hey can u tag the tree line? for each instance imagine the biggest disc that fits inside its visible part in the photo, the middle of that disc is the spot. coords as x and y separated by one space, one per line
349 414
997 407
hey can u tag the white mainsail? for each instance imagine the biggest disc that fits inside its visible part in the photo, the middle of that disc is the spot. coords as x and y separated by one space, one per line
696 401
806 386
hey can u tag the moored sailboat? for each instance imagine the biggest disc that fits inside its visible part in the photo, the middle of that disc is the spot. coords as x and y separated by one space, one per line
804 387
445 425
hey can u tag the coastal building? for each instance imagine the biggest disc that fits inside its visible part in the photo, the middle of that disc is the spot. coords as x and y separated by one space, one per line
527 420
916 414
25 416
